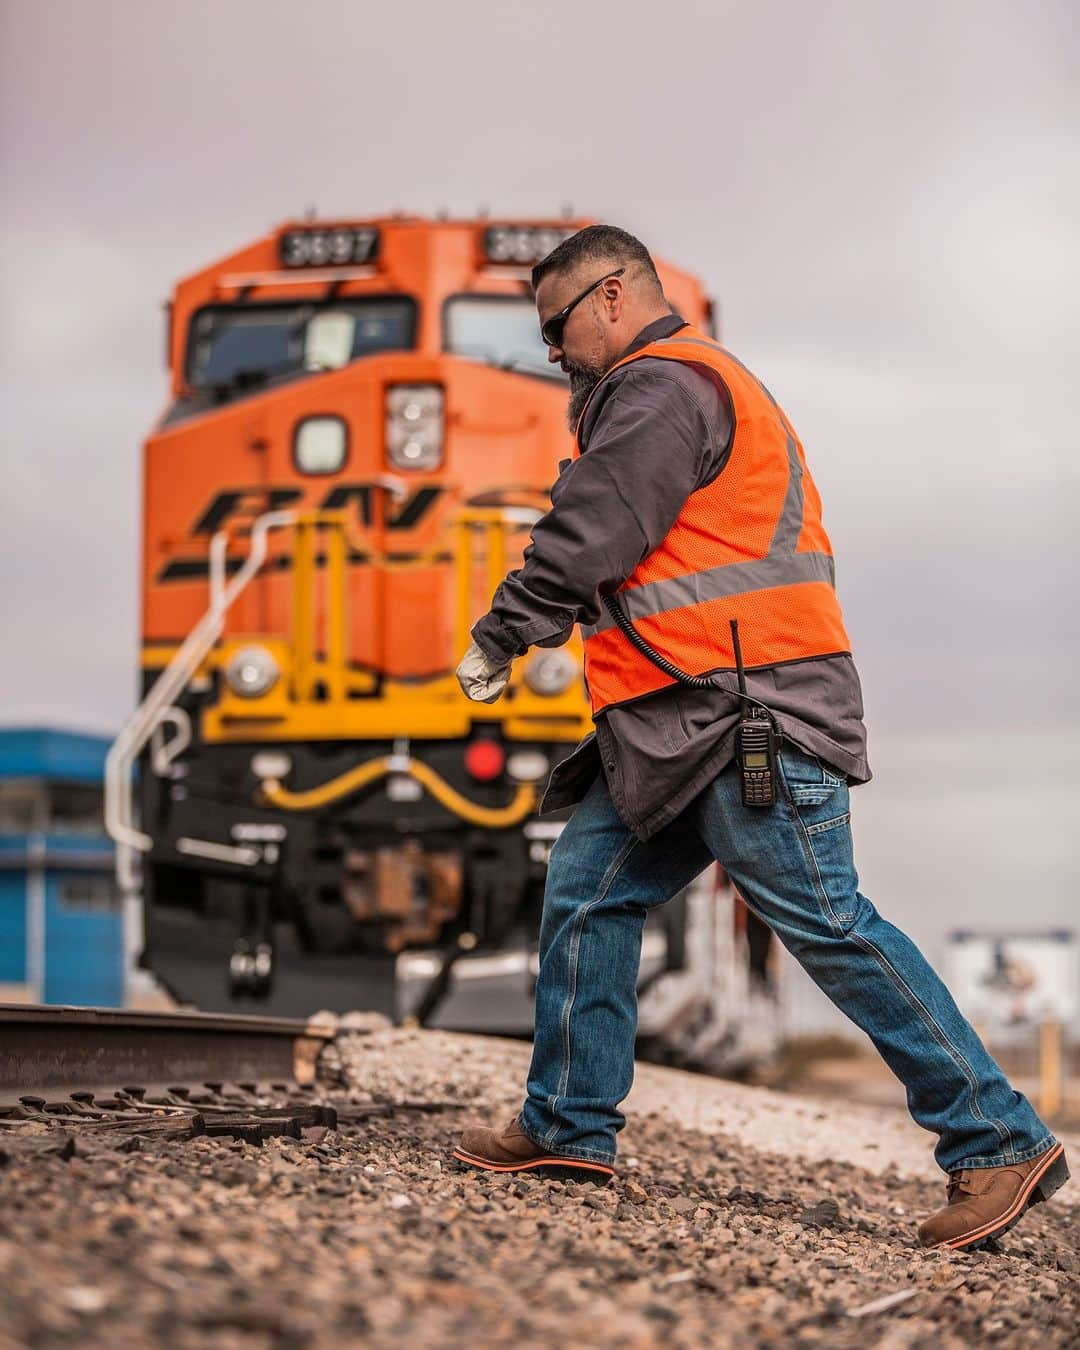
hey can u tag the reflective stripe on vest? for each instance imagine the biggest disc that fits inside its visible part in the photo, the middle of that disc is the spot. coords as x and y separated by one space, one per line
784 599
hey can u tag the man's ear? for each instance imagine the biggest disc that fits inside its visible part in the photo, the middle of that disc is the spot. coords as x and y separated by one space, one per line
614 294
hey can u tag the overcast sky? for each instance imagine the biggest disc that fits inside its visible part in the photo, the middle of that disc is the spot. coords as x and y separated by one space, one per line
880 195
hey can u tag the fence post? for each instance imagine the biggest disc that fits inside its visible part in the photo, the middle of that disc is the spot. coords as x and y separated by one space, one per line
1051 1068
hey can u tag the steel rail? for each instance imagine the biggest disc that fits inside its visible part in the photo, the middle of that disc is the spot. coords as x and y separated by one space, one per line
59 1050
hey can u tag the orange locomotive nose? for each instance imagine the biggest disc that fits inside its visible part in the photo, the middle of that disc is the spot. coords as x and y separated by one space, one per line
364 424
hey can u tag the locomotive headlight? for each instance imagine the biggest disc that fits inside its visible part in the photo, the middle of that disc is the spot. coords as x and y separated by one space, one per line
251 672
551 673
414 426
527 766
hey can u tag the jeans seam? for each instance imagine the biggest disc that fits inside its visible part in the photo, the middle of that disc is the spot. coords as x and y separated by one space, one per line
828 824
1002 1130
1003 1160
811 858
572 959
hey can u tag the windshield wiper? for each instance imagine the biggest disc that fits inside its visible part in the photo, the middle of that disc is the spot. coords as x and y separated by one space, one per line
246 378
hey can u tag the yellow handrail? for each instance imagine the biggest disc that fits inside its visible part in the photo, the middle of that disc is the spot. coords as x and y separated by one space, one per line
492 817
343 539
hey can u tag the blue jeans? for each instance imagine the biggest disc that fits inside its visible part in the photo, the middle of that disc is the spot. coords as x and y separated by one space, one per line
793 865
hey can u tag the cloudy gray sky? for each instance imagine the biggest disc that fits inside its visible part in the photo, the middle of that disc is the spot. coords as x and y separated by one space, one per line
881 196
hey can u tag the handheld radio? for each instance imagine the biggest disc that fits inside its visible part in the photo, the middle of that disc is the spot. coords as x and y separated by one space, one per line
758 742
757 739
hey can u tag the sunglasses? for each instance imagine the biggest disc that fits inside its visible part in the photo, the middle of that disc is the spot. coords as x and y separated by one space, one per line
552 330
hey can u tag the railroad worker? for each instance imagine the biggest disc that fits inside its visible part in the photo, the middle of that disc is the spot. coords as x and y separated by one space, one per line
688 503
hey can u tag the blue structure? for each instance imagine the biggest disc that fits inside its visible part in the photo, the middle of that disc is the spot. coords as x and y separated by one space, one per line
61 924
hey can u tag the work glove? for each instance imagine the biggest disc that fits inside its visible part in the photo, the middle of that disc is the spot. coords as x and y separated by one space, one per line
482 679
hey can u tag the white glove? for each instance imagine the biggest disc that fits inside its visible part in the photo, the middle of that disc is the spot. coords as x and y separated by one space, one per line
481 678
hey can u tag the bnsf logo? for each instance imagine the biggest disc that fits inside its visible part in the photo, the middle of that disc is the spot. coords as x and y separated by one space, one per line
240 506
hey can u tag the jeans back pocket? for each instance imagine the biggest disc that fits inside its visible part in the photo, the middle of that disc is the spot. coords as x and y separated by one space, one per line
809 782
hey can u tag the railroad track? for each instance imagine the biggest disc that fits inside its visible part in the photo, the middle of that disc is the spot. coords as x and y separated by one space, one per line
119 1076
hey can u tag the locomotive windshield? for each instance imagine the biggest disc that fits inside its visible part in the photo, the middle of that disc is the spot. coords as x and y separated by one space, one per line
500 330
234 346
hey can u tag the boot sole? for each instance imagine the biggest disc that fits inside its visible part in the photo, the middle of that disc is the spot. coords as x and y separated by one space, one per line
562 1169
1040 1186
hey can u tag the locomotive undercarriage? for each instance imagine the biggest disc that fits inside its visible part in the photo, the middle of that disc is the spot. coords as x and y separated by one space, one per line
281 892
395 908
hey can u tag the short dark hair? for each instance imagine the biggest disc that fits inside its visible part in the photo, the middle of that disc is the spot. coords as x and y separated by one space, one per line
596 243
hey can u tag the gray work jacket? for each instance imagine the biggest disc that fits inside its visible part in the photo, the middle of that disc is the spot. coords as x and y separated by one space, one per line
654 432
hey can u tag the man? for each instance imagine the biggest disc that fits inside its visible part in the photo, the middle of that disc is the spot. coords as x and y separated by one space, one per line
687 504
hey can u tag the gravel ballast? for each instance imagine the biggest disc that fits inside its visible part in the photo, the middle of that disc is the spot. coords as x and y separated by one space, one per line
796 1225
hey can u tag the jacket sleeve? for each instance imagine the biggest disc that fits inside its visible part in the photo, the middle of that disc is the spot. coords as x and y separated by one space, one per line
657 437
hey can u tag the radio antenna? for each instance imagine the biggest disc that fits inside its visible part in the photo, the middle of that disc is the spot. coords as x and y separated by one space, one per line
738 656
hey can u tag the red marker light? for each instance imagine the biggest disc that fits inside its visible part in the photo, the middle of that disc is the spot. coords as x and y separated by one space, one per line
484 760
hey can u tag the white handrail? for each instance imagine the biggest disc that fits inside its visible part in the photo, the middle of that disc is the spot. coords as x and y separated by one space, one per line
155 707
129 744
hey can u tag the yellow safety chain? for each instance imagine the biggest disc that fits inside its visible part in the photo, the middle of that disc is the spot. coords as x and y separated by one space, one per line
493 817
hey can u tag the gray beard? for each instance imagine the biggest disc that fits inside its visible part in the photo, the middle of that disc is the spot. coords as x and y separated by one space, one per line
583 380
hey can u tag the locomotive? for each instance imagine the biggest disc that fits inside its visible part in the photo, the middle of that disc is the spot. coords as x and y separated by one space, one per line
361 428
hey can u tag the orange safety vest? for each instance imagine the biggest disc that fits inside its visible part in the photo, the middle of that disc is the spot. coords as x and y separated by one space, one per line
749 546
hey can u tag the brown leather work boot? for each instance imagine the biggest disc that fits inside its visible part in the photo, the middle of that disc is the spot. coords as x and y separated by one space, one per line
985 1202
509 1150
